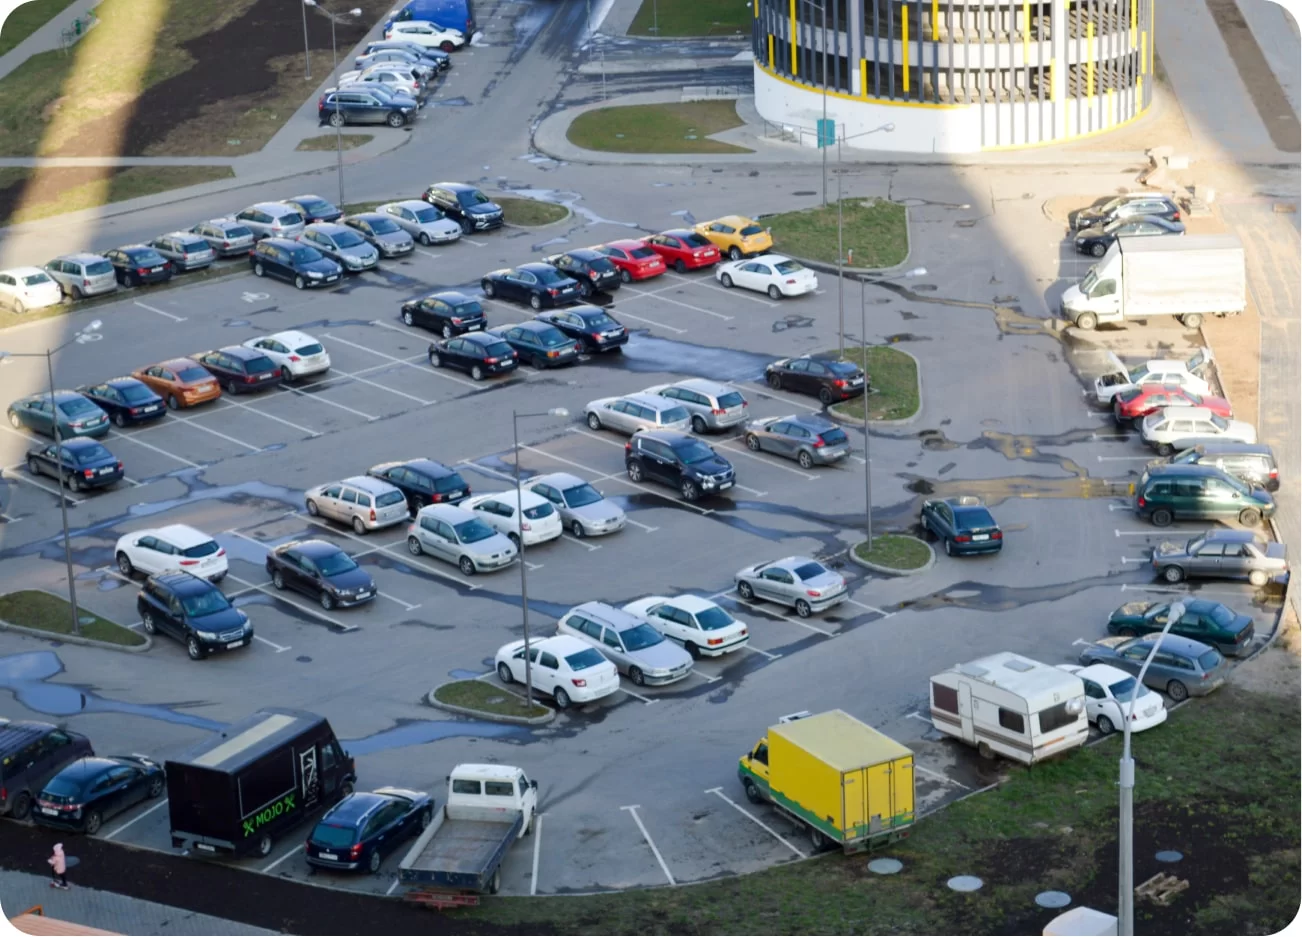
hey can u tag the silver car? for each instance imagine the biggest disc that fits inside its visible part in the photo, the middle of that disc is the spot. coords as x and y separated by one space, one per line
712 404
272 220
1221 554
637 649
363 502
799 581
422 221
810 439
394 57
342 245
583 509
226 236
1183 668
186 250
382 233
81 275
454 534
637 412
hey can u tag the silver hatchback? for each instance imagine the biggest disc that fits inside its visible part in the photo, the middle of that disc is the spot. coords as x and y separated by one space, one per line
458 536
186 250
422 221
364 503
343 245
272 220
713 405
81 275
637 649
584 510
637 412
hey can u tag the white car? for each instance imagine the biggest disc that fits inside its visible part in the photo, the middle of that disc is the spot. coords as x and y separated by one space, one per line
1107 698
769 273
427 34
563 667
699 625
24 288
541 522
393 80
1171 425
174 548
1189 375
298 354
422 221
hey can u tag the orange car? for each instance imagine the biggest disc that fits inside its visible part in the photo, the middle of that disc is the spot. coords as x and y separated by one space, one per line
182 382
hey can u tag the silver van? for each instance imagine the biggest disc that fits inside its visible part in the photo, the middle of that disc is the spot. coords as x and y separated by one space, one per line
272 220
712 404
81 275
365 503
460 537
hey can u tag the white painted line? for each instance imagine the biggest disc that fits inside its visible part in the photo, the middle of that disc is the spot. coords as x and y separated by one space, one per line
1171 590
268 589
1079 642
806 405
266 870
254 540
44 487
711 285
743 449
410 333
597 436
1131 559
732 594
583 543
395 881
160 312
756 650
537 847
632 809
533 565
1124 458
361 380
135 819
666 299
438 372
487 470
407 605
1111 435
718 791
190 421
706 677
11 520
280 648
938 776
1120 507
140 442
871 608
645 527
1136 533
430 254
392 551
635 695
466 240
244 406
758 494
919 716
321 398
132 482
628 315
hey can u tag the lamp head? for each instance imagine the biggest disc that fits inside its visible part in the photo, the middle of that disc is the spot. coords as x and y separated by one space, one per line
309 3
558 411
355 11
889 128
916 272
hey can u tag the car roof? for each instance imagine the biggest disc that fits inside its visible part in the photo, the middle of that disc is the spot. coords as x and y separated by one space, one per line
1178 644
583 253
1229 535
80 257
182 535
292 337
328 227
481 338
286 243
455 186
355 807
617 618
451 297
227 222
91 766
670 437
705 386
277 206
625 243
537 266
678 232
431 467
242 352
528 499
123 380
367 216
375 486
80 442
24 271
1219 448
690 603
530 325
655 401
131 248
560 480
737 221
791 562
306 196
1183 468
809 421
412 203
447 512
561 644
769 259
18 733
1105 674
187 235
184 582
311 548
59 395
176 364
1187 413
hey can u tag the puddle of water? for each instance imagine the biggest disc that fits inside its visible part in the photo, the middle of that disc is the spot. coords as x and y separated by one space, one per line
651 354
451 102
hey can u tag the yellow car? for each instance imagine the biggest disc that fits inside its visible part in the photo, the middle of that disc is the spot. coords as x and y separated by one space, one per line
736 236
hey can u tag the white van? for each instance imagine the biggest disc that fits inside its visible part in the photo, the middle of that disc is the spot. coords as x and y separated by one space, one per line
1010 705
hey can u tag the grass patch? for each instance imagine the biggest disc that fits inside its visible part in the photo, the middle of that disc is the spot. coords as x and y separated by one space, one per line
45 612
27 18
895 551
486 698
874 231
692 18
1218 781
32 194
894 379
657 128
360 208
326 142
529 212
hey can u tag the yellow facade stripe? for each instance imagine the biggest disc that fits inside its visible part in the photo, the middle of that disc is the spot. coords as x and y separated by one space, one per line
935 20
1143 53
770 51
755 7
795 68
885 102
904 42
863 76
1152 28
1089 59
1134 15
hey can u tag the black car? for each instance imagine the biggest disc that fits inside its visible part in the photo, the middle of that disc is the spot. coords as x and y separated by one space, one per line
90 790
829 381
357 832
289 260
320 570
194 611
964 524
1131 205
136 264
85 463
466 205
338 108
679 460
591 326
477 353
540 344
30 754
540 285
1096 240
448 312
592 269
423 481
240 369
314 208
126 400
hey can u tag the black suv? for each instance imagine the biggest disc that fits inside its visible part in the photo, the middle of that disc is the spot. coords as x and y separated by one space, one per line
591 326
466 205
677 459
193 611
30 754
423 481
591 268
356 106
240 369
448 312
321 570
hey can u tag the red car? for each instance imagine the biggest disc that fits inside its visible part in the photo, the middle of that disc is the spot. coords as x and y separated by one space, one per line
633 259
1139 402
685 250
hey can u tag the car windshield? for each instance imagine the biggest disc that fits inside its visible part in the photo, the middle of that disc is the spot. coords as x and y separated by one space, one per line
205 603
1220 422
327 834
1112 228
290 219
382 226
1122 690
1222 615
427 215
259 365
834 437
95 453
641 637
691 452
207 548
98 268
448 483
335 563
388 498
317 206
1137 372
305 255
498 350
1210 659
692 239
580 495
1108 207
35 279
751 230
675 415
1087 284
308 350
731 399
714 618
194 373
1188 457
539 511
198 244
600 320
1126 396
473 197
789 266
843 367
588 657
135 393
473 531
62 787
348 239
641 253
77 406
238 231
808 571
601 265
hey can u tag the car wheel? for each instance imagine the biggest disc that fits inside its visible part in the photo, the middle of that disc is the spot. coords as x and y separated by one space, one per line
124 564
259 270
594 421
1128 632
424 239
745 590
327 601
1098 250
824 396
448 331
1191 320
985 751
698 424
77 293
466 226
538 362
585 289
635 674
373 864
803 609
173 403
690 491
408 318
14 421
1087 321
817 841
775 380
514 538
434 360
1165 449
264 845
752 442
1105 726
74 483
21 806
155 788
300 283
447 46
496 882
337 119
1173 574
193 648
489 289
396 119
805 460
1161 518
1257 578
1249 517
693 650
19 308
1177 691
726 281
734 253
358 527
774 292
576 528
535 301
147 622
230 388
477 373
414 547
467 566
635 472
119 420
504 673
94 820
312 508
949 547
680 266
33 467
625 276
426 818
752 792
562 698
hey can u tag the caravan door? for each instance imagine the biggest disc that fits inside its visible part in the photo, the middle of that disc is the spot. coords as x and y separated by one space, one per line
965 712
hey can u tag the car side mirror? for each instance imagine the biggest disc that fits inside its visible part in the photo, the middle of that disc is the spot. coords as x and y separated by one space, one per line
534 785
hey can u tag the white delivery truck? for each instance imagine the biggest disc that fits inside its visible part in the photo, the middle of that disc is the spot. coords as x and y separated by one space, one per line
1139 277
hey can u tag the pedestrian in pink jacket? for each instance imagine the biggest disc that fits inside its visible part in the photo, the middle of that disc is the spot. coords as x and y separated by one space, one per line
59 863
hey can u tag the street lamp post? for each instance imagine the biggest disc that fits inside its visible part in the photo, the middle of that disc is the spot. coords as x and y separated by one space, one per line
307 50
519 533
334 54
89 333
840 253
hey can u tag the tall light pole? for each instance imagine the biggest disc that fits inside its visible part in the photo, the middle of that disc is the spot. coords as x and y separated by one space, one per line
88 333
334 54
840 252
519 533
307 50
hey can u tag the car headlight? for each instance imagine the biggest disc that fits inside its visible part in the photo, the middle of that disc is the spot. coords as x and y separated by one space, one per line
207 635
313 275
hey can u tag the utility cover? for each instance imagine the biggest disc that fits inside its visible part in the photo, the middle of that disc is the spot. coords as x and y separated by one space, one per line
1053 899
965 883
885 866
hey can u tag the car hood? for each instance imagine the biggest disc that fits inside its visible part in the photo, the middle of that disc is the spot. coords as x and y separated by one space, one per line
1132 611
762 425
498 543
1111 643
393 237
1093 231
711 466
1167 548
324 266
492 208
442 226
352 579
663 656
599 512
361 251
224 620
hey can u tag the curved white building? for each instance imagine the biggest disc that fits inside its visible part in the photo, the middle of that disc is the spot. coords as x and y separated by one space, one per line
952 76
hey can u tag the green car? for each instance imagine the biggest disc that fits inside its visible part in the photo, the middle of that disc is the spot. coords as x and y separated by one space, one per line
77 415
1199 492
1209 622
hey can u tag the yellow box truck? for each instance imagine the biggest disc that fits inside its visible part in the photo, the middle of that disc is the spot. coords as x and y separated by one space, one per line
843 781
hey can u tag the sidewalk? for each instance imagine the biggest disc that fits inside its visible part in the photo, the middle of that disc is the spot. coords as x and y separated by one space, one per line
45 39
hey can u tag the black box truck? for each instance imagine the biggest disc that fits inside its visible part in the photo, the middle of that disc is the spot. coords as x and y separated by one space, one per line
236 792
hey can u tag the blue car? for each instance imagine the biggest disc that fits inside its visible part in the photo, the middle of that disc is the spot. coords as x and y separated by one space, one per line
90 790
964 524
299 264
84 463
77 416
126 400
357 832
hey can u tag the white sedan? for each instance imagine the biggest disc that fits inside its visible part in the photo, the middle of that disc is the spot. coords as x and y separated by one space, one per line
563 667
24 288
177 547
699 625
1107 690
769 273
540 522
297 353
427 34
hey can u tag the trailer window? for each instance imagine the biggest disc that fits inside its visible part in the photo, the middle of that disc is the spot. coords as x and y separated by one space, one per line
499 788
465 787
944 697
1055 717
1012 721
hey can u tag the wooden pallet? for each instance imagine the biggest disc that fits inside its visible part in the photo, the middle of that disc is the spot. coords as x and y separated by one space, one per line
1162 888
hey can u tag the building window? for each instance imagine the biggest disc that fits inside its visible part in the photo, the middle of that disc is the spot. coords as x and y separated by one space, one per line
1012 721
944 697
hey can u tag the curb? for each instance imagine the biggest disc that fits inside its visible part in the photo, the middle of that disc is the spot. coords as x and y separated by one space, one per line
491 717
889 570
77 639
902 421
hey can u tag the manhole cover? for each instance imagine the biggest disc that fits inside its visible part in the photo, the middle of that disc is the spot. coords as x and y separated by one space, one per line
1053 899
885 866
965 883
1169 855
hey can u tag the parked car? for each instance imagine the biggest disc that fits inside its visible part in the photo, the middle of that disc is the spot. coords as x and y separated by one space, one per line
425 55
423 481
479 354
422 221
588 267
297 354
126 400
226 236
404 80
382 233
1162 430
174 548
635 412
427 33
138 264
272 219
583 509
810 439
296 263
94 788
76 415
30 754
736 236
81 275
1182 667
24 288
1108 694
591 326
633 259
774 274
540 522
1209 622
1097 239
460 537
798 581
80 464
562 667
1222 554
447 312
466 205
425 68
315 209
713 405
1130 205
185 250
182 382
359 831
629 643
539 285
1190 374
540 344
829 381
1252 463
363 502
699 625
964 524
240 369
684 250
1199 492
341 244
1131 406
322 571
358 104
678 460
194 612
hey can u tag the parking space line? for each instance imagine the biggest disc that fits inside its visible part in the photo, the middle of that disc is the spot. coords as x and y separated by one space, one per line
132 482
706 677
268 589
430 254
649 529
590 546
190 421
633 484
280 648
160 312
918 715
11 520
758 494
136 819
732 594
645 699
354 377
438 372
537 847
390 550
711 285
403 330
807 405
321 398
140 442
407 605
1137 533
489 471
227 402
1124 458
718 791
467 240
395 880
1132 559
757 650
1171 590
660 325
743 449
266 870
666 299
871 608
938 776
22 477
632 809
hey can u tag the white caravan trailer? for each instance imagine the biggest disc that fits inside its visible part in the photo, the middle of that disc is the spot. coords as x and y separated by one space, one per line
1010 705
